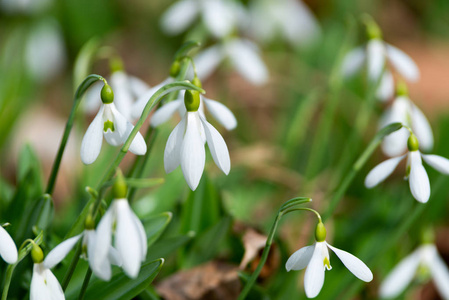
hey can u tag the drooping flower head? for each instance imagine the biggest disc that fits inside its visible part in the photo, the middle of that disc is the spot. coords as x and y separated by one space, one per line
315 259
8 249
111 124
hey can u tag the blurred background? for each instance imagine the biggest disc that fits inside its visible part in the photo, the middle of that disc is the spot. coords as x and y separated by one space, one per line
271 147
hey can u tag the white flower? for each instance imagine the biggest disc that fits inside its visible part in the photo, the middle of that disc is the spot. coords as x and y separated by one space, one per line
404 111
243 55
219 16
220 112
185 147
130 238
127 89
375 54
44 285
102 270
316 259
8 249
111 124
426 256
417 177
291 19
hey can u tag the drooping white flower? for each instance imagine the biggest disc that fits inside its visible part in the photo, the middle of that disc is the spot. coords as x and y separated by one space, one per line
315 259
426 257
219 16
130 239
406 112
219 111
242 54
185 145
111 124
290 19
44 285
88 236
8 249
415 172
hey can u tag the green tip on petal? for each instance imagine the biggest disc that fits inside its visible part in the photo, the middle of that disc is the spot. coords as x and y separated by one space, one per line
107 95
175 68
320 232
401 89
108 125
120 188
412 143
36 254
192 100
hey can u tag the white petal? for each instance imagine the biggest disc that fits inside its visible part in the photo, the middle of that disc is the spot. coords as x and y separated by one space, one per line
207 61
382 171
92 99
314 276
402 274
299 260
114 257
44 285
217 147
123 99
93 138
246 59
142 235
386 87
395 143
90 242
418 181
354 265
376 59
127 239
172 153
141 102
114 138
8 249
221 113
439 163
192 151
403 63
60 252
165 112
218 17
102 244
353 61
440 274
179 16
137 86
421 128
53 286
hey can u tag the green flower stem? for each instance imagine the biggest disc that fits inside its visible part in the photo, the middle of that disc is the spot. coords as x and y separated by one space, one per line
375 142
77 99
85 284
73 263
286 208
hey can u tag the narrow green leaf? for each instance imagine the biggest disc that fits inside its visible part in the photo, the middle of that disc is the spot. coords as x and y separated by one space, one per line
155 225
165 247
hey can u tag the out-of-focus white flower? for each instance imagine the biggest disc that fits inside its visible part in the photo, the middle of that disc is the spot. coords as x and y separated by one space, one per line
24 6
243 55
415 172
111 124
185 145
315 259
8 249
219 111
219 16
404 111
425 257
129 239
291 19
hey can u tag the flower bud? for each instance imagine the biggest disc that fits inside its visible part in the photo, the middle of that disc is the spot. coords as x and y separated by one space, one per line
192 100
36 254
412 143
175 68
320 232
401 89
107 95
119 189
372 29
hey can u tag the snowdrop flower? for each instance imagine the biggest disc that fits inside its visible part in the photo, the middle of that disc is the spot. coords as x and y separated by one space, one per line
427 259
315 259
88 236
375 54
111 124
130 238
291 19
185 145
415 172
8 249
44 285
243 55
220 112
404 111
219 16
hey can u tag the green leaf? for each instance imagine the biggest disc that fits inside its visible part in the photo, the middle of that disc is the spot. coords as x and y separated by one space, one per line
185 48
122 287
155 225
165 247
29 163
